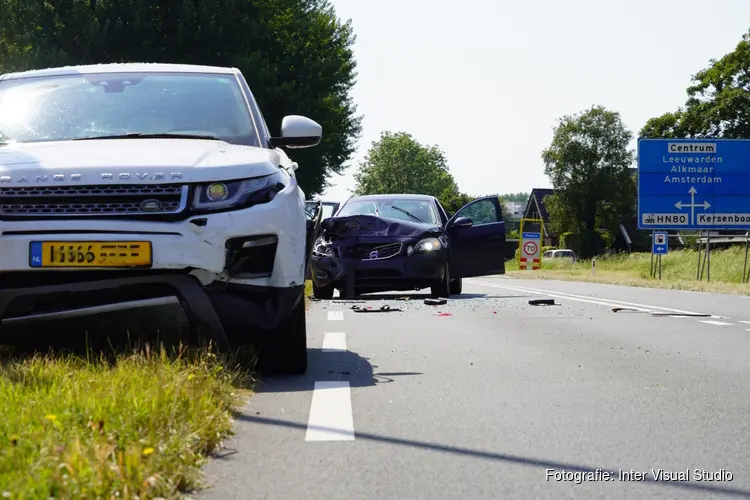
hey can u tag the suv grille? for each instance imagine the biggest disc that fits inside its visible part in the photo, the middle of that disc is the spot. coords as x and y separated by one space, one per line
59 201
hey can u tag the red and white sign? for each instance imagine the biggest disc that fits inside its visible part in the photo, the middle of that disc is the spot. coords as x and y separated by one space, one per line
530 248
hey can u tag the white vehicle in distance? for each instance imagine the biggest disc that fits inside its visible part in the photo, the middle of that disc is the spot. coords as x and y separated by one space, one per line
122 185
560 254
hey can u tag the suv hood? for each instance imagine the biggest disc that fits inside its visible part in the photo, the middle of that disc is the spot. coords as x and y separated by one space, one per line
143 161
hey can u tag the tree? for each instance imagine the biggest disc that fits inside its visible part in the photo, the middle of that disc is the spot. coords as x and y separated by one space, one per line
296 54
397 163
588 163
718 103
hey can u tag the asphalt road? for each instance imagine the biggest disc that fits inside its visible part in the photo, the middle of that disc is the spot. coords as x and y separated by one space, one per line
501 399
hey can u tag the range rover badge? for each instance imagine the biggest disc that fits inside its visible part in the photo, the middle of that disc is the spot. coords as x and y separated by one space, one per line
151 205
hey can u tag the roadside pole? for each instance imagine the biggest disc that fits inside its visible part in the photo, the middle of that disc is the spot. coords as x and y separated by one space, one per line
651 271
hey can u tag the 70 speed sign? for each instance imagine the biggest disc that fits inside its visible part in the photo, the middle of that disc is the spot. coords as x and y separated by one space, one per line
531 244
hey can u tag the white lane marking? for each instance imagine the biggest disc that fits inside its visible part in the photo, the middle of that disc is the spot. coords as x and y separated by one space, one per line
556 295
335 315
717 323
585 298
331 416
746 322
334 342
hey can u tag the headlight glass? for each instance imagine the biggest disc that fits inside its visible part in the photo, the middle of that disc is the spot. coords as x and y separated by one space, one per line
240 193
427 245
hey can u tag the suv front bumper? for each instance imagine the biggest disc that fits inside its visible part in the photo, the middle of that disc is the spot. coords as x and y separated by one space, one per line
263 245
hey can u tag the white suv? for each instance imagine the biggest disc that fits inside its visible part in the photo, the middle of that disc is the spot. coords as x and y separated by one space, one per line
125 184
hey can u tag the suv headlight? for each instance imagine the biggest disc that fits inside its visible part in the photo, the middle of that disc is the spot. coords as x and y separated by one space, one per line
425 246
237 194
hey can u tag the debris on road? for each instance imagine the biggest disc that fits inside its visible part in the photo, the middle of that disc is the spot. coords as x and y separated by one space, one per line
436 302
542 302
385 308
444 314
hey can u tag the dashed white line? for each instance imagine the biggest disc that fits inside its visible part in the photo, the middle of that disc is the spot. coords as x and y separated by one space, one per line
746 322
335 315
331 416
716 323
334 342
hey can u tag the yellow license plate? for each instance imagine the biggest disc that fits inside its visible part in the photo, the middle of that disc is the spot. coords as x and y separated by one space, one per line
90 254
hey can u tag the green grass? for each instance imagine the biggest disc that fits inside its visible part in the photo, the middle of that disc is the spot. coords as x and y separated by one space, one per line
308 292
679 271
138 428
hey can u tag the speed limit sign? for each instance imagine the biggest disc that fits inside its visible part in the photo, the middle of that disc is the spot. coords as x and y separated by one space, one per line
530 257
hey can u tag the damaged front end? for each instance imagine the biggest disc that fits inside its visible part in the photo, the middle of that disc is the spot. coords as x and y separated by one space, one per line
364 253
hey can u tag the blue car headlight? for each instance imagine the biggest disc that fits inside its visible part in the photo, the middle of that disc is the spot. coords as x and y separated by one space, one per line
426 245
227 195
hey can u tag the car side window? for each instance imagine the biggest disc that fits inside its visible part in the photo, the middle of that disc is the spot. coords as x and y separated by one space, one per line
481 212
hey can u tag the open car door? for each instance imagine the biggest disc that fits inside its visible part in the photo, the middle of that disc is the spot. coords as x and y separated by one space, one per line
476 238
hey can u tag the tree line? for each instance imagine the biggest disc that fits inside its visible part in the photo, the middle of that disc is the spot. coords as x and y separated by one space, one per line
589 159
297 56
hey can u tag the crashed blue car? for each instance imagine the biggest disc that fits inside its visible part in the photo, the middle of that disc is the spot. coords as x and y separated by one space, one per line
404 242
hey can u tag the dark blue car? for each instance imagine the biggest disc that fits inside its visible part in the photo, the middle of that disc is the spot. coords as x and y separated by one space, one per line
399 242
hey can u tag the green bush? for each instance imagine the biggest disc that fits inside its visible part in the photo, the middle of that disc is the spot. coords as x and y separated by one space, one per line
586 244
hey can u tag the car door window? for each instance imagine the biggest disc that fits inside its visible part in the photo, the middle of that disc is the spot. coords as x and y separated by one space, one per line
481 212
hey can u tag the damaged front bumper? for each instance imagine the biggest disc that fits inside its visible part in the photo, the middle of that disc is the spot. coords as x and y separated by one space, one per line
399 272
227 313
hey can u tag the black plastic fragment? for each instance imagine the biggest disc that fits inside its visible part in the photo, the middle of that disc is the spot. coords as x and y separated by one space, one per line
628 309
542 302
435 302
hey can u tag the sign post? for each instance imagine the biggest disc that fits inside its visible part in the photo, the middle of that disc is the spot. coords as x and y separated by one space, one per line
694 185
530 244
659 247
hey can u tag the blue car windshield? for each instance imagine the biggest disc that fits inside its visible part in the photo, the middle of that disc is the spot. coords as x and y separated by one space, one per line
399 209
83 106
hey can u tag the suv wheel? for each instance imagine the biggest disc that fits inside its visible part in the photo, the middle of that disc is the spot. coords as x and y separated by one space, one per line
285 351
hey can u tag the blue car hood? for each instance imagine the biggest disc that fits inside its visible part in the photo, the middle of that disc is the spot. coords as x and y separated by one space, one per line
370 225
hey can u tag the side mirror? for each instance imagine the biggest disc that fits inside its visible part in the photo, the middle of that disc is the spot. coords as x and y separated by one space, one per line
298 132
462 222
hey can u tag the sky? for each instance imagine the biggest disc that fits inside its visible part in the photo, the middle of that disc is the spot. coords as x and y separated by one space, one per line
486 80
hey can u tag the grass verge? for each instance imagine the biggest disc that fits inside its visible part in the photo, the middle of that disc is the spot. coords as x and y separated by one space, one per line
138 428
308 292
679 271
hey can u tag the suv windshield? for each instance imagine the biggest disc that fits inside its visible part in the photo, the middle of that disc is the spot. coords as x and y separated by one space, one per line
406 210
84 106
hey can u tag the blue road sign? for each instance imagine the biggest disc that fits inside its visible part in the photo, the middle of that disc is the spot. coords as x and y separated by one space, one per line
694 184
660 244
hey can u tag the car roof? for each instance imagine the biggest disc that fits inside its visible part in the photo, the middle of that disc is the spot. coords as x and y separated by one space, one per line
375 197
91 69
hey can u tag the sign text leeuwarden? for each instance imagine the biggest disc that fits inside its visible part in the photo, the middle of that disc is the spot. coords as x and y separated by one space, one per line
700 184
